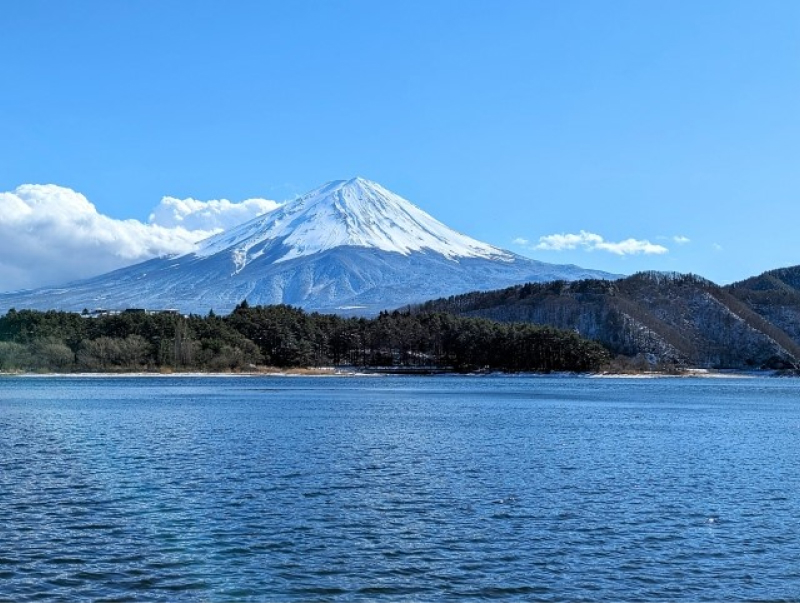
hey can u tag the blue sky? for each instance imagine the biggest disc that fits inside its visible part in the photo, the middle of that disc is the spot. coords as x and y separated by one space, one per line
506 120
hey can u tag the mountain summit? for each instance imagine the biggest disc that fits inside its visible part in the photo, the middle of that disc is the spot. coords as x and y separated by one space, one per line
349 246
356 213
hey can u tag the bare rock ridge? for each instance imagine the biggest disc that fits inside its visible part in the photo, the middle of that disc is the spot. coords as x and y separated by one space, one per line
346 247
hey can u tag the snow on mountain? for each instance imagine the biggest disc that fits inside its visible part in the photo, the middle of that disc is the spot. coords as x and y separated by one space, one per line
357 213
350 247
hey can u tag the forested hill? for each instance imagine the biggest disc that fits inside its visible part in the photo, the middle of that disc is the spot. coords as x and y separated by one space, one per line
283 336
659 318
775 295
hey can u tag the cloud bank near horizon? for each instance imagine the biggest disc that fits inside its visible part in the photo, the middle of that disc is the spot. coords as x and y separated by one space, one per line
51 234
590 241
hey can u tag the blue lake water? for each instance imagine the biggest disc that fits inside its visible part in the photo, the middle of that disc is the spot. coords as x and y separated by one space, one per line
383 488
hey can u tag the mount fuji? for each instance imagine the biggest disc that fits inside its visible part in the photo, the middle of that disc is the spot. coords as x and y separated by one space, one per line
347 247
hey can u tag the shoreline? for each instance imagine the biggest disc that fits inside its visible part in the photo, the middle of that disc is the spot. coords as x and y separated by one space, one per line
388 372
194 374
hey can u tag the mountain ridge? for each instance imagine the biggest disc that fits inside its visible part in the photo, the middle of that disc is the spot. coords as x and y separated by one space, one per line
774 295
661 318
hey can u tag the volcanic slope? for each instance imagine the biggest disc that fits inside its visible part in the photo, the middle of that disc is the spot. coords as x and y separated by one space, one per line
348 247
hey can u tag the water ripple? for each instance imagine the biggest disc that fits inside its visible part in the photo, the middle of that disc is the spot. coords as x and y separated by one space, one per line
443 489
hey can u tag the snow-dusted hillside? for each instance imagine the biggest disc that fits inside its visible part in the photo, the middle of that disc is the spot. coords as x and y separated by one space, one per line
348 246
670 318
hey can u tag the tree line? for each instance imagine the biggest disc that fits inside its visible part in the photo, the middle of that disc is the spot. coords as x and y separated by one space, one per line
285 337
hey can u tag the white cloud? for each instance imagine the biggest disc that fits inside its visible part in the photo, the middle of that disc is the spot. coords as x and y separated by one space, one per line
562 242
216 215
51 234
520 241
681 240
632 247
590 241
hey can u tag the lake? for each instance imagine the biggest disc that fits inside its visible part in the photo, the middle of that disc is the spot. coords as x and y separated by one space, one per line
399 488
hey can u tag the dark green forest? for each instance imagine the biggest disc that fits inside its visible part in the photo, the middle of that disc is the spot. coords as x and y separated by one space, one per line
285 337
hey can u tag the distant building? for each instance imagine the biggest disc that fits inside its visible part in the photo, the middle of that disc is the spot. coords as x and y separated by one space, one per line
99 312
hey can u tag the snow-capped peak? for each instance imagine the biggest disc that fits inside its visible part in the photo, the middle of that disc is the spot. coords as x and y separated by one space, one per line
354 212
